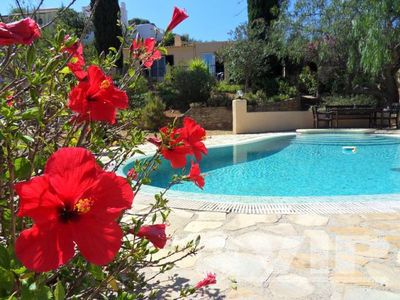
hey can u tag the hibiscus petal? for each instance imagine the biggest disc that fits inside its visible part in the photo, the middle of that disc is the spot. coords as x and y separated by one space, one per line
119 98
112 194
98 241
96 77
72 171
77 98
37 200
44 248
100 111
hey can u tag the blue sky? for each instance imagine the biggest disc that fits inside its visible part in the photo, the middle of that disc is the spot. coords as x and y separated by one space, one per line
208 19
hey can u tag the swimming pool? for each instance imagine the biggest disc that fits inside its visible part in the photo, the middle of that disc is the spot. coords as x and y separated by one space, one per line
298 166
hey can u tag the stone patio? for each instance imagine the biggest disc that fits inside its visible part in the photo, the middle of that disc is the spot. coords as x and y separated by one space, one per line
290 256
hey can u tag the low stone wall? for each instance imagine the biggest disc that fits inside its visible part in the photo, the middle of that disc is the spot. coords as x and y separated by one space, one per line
212 118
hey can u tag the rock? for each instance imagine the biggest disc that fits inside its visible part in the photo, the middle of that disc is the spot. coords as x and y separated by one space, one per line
187 262
245 267
345 220
355 278
240 221
355 293
385 225
344 260
369 250
381 216
394 240
281 228
180 213
291 286
310 261
199 226
385 275
245 294
260 242
210 216
352 230
319 240
309 220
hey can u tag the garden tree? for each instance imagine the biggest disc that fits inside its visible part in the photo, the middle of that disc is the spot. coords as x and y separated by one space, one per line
138 21
244 59
260 15
353 43
73 21
106 27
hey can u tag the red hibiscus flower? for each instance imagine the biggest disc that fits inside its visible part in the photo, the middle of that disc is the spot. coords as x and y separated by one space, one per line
146 52
195 175
210 279
96 98
23 32
74 202
77 61
193 134
155 234
177 17
173 147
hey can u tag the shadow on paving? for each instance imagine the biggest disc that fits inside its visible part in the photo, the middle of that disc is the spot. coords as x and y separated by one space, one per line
170 289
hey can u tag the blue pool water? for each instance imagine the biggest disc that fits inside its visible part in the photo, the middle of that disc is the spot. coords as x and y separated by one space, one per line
302 165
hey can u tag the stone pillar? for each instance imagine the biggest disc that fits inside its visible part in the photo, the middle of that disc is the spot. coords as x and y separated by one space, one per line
239 111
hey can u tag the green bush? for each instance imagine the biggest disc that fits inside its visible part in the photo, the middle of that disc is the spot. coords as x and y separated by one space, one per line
220 99
225 87
152 114
308 82
286 90
183 86
350 100
168 94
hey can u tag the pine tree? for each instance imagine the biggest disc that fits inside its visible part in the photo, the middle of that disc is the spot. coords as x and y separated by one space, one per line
106 29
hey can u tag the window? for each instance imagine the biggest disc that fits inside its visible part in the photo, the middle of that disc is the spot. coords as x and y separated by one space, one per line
209 59
158 69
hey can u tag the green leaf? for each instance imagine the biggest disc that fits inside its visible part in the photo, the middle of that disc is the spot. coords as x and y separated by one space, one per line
27 139
59 292
96 271
31 113
6 282
65 70
36 292
4 258
163 50
22 168
31 55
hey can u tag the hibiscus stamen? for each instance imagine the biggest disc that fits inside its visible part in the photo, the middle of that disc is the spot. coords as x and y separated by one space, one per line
83 206
105 84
